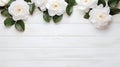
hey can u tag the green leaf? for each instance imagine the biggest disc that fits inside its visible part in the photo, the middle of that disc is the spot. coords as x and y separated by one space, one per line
114 11
20 26
70 5
10 2
69 10
113 3
9 22
5 13
102 2
31 8
67 1
86 16
57 19
71 2
27 0
46 16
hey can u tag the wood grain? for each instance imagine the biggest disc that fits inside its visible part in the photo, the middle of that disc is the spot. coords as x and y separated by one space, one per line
72 43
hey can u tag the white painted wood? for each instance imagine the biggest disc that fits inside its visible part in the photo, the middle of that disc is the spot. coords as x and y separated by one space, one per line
72 57
34 54
81 63
74 42
59 42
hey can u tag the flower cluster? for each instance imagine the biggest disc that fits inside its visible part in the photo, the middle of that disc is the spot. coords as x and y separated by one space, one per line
16 12
54 8
98 12
51 8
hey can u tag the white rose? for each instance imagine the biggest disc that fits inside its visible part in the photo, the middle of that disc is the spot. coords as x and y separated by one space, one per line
41 4
100 16
56 7
85 5
3 2
19 10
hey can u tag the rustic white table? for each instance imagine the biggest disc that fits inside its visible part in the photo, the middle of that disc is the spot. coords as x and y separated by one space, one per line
71 43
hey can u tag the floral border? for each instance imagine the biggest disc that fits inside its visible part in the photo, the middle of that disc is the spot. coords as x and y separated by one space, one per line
98 12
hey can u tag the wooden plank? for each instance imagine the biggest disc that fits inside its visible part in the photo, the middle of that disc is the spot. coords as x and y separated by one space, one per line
47 54
59 42
81 63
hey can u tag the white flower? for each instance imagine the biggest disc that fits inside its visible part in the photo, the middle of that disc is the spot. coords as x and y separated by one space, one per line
3 2
19 10
100 16
85 5
41 4
56 7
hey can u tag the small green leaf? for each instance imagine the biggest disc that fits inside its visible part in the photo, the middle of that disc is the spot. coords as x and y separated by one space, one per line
71 2
67 1
10 2
70 5
114 11
27 0
86 16
102 2
9 22
69 10
46 16
20 26
5 13
57 19
31 8
113 3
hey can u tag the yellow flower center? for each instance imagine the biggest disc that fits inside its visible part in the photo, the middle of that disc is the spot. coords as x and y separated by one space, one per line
101 16
19 9
56 6
86 1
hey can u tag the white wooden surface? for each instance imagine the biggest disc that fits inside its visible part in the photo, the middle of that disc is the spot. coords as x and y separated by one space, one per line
72 43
